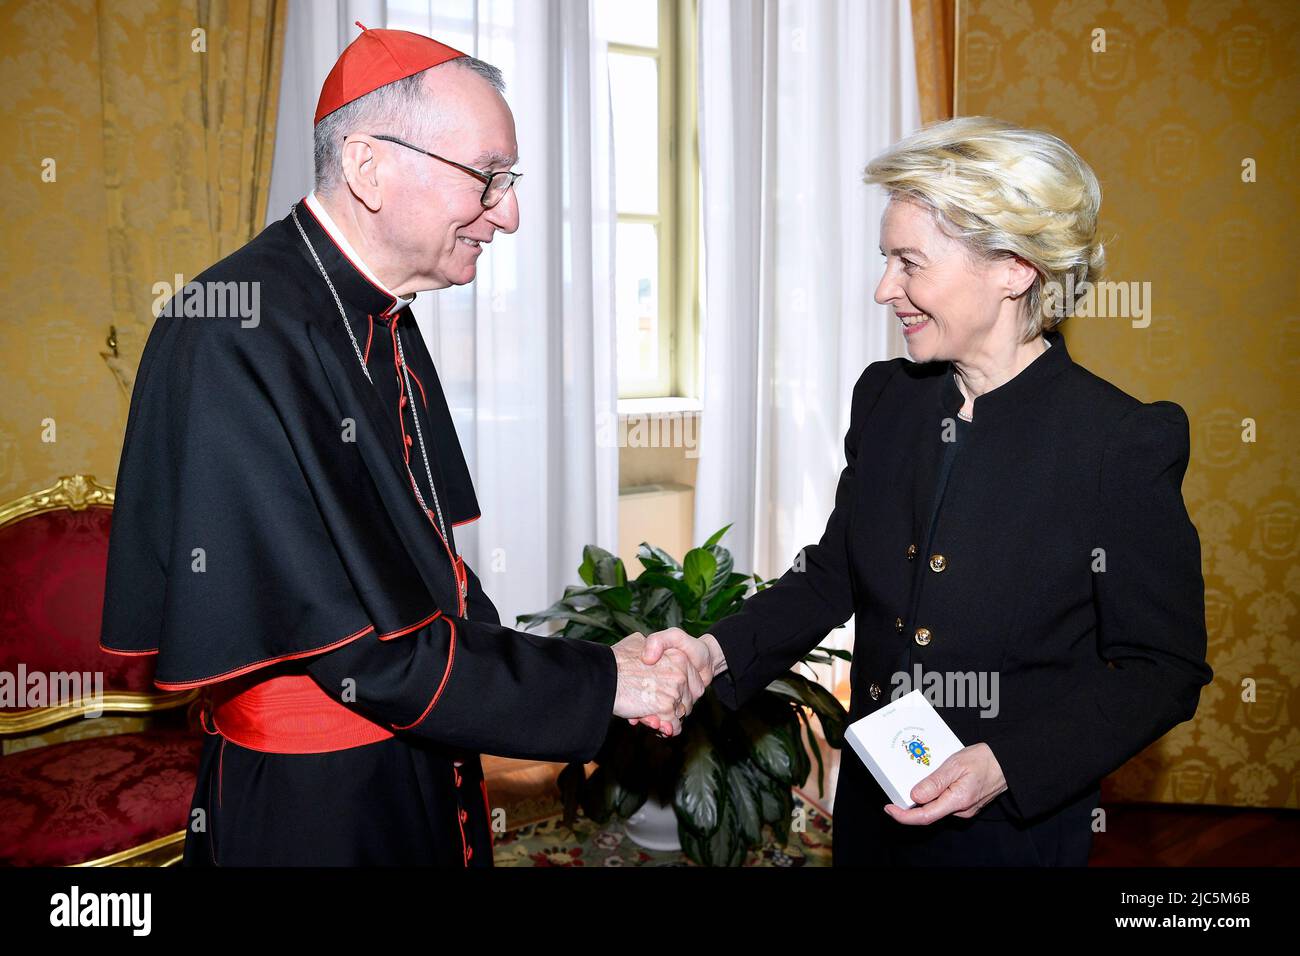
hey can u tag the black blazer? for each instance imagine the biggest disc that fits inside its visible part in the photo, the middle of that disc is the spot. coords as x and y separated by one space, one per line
1091 665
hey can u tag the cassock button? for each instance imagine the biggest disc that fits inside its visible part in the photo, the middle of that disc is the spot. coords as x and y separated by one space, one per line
408 441
911 551
874 691
402 403
898 625
922 636
938 562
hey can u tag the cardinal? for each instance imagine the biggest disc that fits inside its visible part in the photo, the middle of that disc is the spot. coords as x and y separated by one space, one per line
289 493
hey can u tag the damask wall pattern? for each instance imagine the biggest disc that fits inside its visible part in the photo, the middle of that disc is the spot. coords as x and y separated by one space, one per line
1191 120
139 138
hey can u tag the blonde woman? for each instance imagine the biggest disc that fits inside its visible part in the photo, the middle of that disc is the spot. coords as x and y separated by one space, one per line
1009 523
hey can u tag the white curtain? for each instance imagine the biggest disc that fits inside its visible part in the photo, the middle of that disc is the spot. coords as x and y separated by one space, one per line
316 33
795 97
526 352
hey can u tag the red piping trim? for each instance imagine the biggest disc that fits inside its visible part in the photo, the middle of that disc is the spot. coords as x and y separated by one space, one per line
406 453
221 766
457 564
256 665
212 850
113 650
451 656
401 400
487 808
457 524
465 851
389 308
414 627
370 337
208 680
423 398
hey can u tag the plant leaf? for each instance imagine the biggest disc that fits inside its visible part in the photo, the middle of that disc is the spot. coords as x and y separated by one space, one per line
680 589
826 655
701 787
809 693
595 794
585 632
673 615
724 847
606 569
598 617
587 570
697 571
748 805
570 781
630 624
720 602
626 801
813 748
716 537
781 821
770 750
616 598
656 559
768 790
654 600
723 563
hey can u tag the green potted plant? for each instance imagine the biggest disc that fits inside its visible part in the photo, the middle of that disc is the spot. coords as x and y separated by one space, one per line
729 772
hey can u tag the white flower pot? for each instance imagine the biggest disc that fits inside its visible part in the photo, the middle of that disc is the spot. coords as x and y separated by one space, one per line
654 827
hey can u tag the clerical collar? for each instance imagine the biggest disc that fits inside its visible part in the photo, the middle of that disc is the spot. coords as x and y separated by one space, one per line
336 235
1017 392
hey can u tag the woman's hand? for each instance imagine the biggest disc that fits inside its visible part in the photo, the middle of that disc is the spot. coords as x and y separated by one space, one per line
962 784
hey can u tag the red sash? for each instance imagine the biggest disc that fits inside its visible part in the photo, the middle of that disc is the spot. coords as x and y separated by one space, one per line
289 714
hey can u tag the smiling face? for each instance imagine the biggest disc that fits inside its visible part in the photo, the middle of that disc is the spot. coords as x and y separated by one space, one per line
952 306
434 223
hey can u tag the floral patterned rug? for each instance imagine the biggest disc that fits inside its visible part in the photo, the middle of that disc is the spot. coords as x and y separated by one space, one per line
550 843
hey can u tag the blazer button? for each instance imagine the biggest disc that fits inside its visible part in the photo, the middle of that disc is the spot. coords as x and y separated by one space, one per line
898 625
874 691
922 636
938 562
911 551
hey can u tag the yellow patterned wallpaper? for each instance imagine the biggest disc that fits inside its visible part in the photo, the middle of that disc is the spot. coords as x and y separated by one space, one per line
1184 96
138 139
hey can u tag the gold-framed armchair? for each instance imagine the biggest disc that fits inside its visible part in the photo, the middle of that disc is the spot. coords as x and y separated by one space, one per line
97 766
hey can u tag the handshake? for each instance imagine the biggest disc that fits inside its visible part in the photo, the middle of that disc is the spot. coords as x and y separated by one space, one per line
660 677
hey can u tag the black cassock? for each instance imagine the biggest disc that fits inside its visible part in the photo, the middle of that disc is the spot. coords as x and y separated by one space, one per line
268 546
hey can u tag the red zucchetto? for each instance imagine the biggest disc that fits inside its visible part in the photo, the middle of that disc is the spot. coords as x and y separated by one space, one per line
377 58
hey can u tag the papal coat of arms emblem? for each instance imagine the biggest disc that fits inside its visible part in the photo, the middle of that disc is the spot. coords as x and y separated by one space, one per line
917 750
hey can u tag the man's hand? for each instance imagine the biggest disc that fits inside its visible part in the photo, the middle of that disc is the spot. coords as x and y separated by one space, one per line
962 784
660 693
701 658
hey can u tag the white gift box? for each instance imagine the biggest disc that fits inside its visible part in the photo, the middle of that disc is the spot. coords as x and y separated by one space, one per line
902 744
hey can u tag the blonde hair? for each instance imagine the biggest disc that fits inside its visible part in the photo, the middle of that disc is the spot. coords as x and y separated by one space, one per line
1004 190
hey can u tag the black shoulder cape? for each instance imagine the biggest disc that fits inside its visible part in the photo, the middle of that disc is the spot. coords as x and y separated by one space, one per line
264 511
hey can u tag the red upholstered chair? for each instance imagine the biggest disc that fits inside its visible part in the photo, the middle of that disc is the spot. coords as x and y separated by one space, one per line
78 790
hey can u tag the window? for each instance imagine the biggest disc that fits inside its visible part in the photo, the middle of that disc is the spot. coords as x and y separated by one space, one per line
656 169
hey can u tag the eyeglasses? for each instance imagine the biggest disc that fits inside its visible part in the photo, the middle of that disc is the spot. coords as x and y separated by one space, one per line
495 184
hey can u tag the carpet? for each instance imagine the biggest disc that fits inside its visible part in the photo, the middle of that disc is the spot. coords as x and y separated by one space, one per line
549 842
